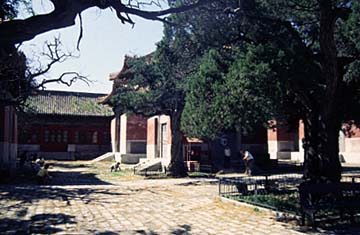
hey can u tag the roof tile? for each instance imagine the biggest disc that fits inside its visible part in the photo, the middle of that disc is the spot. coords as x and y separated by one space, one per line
69 103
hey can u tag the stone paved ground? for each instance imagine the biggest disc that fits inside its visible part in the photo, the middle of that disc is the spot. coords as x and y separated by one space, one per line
80 203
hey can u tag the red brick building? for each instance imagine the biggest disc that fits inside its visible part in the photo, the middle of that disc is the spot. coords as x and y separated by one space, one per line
153 135
286 144
279 143
8 138
158 144
128 137
65 125
128 132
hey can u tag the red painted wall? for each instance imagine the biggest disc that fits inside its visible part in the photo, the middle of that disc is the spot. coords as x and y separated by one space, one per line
152 127
2 119
258 136
136 128
55 137
285 134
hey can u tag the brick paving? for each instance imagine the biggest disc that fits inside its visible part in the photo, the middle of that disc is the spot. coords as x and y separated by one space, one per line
148 207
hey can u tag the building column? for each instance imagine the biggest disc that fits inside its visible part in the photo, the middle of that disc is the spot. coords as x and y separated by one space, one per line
114 134
152 137
301 132
123 137
272 140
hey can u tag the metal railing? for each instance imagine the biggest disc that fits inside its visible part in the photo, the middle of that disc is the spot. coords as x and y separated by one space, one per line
277 192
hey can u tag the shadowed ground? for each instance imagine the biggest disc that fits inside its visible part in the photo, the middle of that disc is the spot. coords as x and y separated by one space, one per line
90 200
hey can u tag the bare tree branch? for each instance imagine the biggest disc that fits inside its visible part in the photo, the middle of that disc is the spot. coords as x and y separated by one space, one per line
54 53
18 83
62 79
81 32
65 12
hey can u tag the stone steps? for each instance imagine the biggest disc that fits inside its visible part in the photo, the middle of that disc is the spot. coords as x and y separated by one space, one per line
105 157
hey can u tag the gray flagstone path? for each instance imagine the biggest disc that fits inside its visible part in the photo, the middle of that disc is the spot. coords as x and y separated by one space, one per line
147 207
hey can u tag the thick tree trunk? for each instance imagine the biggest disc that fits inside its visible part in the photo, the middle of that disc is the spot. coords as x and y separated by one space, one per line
323 122
321 149
177 167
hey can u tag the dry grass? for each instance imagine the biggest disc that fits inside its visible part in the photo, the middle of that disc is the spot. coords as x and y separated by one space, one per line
102 171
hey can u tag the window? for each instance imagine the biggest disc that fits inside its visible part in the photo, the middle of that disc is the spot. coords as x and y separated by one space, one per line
95 137
88 137
34 137
24 136
52 136
106 137
85 137
65 136
58 136
77 137
46 136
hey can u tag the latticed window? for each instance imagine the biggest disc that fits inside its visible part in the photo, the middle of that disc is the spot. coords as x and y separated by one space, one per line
106 137
34 137
58 136
77 137
46 136
52 136
95 137
65 136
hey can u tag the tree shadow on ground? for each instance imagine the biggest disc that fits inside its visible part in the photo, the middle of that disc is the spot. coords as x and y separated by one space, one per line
60 178
135 232
75 178
333 230
180 230
37 224
183 229
199 182
67 165
25 196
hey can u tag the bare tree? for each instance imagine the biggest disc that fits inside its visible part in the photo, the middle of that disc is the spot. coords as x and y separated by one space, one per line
19 80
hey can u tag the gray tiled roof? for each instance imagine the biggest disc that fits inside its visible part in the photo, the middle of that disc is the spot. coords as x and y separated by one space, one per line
68 103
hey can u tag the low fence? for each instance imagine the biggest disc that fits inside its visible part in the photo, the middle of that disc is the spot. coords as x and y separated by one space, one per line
277 192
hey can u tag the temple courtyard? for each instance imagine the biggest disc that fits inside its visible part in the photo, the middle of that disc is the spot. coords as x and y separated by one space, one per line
88 199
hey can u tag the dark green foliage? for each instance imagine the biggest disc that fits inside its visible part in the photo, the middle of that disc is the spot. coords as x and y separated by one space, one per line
9 8
240 63
155 85
293 59
141 93
204 98
232 90
14 86
265 60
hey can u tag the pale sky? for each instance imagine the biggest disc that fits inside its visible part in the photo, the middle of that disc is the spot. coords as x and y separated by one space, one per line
104 44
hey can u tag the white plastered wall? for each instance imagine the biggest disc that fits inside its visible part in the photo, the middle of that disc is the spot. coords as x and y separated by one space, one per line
123 129
164 119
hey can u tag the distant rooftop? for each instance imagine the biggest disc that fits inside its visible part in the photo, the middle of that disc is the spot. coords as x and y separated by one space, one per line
69 103
121 77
